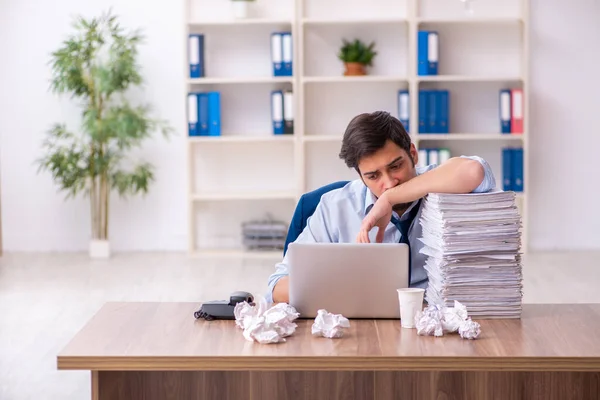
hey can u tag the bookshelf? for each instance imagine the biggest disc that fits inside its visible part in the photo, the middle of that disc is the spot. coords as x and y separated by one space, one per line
248 173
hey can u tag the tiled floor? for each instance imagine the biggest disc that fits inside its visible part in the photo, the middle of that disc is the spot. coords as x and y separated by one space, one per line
46 298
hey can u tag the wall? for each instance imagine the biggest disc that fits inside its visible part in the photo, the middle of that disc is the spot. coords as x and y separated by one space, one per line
35 217
565 141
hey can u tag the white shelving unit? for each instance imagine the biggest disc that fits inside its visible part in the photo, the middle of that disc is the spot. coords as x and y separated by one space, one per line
249 172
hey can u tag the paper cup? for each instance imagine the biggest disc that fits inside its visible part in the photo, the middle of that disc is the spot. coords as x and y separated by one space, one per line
410 301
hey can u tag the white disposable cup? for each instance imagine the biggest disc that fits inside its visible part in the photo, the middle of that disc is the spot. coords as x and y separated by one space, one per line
410 301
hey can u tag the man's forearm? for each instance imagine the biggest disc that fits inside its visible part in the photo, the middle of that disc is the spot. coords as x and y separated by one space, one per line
457 175
281 293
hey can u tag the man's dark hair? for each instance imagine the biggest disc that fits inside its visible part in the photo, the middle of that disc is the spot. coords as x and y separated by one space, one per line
368 132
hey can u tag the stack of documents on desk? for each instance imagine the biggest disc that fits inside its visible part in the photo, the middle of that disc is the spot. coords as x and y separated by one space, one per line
473 244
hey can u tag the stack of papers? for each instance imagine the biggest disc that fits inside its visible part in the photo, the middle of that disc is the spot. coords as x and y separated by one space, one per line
473 244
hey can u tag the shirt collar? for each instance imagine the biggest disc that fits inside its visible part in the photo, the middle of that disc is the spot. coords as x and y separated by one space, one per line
370 200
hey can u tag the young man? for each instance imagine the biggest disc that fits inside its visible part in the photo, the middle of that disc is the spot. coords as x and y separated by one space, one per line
389 190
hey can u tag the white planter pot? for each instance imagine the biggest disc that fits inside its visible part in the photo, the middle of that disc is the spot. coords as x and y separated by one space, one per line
240 9
99 248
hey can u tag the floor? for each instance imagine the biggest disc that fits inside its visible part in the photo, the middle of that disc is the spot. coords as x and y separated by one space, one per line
46 298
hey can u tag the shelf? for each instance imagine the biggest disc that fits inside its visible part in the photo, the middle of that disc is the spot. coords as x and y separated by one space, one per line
322 138
247 152
238 22
466 78
469 20
468 136
373 21
241 79
243 196
242 139
238 253
363 78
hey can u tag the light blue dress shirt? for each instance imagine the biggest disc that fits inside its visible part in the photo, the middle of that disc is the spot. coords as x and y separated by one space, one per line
339 216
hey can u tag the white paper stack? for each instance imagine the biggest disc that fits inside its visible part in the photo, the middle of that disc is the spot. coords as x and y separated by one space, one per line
473 244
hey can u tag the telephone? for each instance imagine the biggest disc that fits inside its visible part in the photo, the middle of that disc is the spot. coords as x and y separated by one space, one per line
223 309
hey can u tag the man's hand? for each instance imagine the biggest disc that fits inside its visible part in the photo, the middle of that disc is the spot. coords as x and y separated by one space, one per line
281 291
379 216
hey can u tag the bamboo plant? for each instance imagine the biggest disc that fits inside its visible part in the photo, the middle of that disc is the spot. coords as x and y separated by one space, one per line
97 65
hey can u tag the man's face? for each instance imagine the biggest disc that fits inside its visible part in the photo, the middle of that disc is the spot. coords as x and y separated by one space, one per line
388 167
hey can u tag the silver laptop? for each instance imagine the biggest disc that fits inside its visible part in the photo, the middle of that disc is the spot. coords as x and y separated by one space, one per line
355 280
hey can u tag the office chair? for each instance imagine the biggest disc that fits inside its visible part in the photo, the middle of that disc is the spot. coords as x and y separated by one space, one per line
306 207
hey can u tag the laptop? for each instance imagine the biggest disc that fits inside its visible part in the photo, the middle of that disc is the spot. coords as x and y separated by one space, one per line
353 279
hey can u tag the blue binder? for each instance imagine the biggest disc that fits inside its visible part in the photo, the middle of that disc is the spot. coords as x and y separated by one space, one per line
192 112
277 111
444 121
507 173
517 169
422 53
287 53
196 55
277 54
433 112
504 110
214 113
432 53
423 107
404 109
203 115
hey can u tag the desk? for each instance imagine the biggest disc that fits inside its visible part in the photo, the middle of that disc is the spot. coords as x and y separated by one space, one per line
159 351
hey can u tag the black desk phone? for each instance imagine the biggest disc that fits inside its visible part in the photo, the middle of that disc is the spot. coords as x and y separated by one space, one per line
223 309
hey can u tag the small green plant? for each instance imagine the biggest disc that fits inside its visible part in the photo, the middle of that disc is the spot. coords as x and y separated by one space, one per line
357 52
97 67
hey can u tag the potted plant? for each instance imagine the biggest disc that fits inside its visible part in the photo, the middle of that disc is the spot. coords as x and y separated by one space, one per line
97 67
356 56
240 8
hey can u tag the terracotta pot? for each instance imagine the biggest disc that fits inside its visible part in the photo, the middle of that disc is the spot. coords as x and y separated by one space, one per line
354 68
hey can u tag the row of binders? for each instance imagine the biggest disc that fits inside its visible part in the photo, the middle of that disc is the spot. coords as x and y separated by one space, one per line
512 169
281 54
433 156
427 53
204 113
511 111
282 112
434 110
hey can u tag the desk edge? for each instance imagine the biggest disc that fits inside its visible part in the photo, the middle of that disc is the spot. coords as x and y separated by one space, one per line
248 363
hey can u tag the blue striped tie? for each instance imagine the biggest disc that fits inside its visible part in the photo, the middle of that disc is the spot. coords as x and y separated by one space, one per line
403 227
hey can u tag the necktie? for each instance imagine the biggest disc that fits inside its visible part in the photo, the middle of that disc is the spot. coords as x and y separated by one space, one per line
403 227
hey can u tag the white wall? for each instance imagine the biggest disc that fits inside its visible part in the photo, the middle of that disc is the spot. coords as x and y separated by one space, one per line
562 189
34 215
565 175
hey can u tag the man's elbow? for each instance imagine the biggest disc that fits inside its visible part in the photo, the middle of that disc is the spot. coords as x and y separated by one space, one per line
473 174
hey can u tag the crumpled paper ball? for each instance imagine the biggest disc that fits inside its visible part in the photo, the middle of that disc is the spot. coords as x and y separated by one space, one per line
454 316
263 324
329 325
429 321
435 320
469 329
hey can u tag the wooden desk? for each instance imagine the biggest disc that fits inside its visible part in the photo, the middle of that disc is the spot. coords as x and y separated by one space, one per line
159 351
